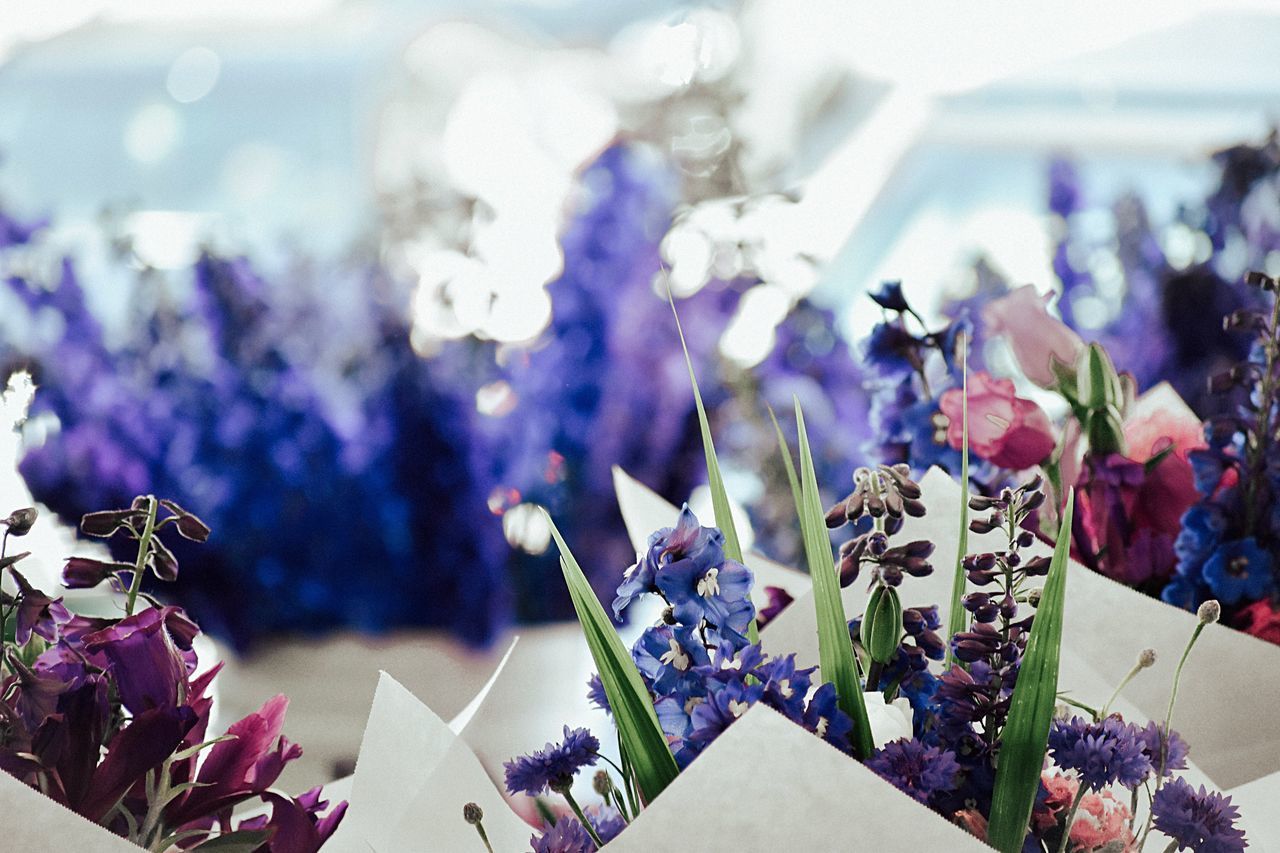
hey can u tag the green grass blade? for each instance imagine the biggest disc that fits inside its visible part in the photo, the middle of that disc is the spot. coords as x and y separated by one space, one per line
835 649
956 617
719 497
786 459
638 730
1026 734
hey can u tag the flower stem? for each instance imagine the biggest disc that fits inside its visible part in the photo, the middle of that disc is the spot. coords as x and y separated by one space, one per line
1071 818
144 548
586 824
1137 667
484 836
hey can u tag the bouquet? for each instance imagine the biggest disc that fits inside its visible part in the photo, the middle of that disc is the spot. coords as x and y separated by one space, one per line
110 717
958 703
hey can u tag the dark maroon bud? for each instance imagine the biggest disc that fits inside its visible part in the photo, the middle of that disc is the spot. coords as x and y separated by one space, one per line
892 525
916 567
893 503
1025 538
981 503
1037 566
1033 501
877 543
982 525
1013 559
849 567
191 527
836 515
20 521
1008 607
106 522
891 574
875 505
1220 383
83 573
913 507
917 548
162 561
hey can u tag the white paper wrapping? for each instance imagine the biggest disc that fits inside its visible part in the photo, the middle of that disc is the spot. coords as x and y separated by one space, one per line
30 821
1230 689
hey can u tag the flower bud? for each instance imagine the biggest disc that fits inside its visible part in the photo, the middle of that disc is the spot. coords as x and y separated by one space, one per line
882 624
20 521
1147 658
1209 612
472 814
601 783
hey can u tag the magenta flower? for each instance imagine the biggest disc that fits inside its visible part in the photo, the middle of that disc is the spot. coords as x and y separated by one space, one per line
145 662
1037 338
1006 430
238 769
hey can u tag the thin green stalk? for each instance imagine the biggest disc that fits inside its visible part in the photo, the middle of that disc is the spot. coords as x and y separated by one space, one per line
1071 818
582 818
955 618
484 836
144 548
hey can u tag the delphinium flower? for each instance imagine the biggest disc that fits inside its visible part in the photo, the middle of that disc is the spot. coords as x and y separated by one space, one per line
907 368
215 398
703 675
108 716
1228 544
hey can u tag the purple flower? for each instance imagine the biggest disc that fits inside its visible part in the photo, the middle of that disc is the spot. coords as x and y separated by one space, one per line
916 770
37 612
824 718
1239 570
1176 748
596 694
1101 753
1202 820
567 836
553 766
606 821
243 767
145 663
889 297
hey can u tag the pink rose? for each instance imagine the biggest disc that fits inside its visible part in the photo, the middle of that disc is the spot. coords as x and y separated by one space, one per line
1004 429
1035 336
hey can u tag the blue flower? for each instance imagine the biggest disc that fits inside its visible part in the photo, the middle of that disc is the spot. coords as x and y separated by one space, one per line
889 297
1201 531
668 656
892 350
725 704
553 766
785 687
606 821
1239 570
915 769
1204 821
567 836
823 717
688 549
596 694
1101 753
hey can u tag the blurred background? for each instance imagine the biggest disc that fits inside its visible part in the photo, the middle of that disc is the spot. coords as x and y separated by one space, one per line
363 284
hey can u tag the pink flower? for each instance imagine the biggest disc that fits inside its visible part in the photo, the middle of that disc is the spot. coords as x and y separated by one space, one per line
1035 336
1101 820
1261 620
1004 429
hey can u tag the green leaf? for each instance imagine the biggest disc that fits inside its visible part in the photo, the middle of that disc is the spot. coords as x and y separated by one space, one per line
719 497
1026 734
786 458
638 730
835 649
956 616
